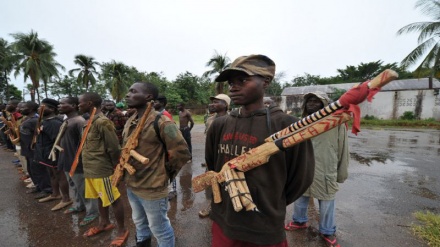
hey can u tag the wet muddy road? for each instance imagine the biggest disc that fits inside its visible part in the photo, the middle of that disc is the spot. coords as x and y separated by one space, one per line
393 173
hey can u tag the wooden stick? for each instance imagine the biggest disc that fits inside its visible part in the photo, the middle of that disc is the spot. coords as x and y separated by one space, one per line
37 126
81 144
244 195
233 191
251 206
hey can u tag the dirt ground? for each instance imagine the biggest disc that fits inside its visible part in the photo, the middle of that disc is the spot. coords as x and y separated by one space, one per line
393 173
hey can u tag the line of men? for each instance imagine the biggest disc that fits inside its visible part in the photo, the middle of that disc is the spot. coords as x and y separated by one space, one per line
283 180
147 190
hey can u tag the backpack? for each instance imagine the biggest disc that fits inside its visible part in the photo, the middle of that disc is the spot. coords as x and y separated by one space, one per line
170 172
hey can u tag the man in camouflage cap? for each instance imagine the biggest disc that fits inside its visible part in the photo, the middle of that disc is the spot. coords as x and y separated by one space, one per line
272 186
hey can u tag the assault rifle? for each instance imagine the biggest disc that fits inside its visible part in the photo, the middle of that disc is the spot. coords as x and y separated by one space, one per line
128 150
56 144
232 172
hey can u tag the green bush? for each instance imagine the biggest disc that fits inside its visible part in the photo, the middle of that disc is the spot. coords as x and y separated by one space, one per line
408 115
368 117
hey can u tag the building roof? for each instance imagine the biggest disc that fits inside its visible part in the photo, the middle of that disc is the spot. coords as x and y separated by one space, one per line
397 85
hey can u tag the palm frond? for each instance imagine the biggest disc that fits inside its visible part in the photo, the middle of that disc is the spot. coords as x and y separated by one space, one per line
430 30
429 7
415 54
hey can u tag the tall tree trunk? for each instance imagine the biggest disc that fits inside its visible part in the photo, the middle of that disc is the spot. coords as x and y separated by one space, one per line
219 87
32 93
6 86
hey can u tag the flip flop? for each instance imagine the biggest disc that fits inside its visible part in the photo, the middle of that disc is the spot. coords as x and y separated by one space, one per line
120 240
72 210
292 226
87 220
95 230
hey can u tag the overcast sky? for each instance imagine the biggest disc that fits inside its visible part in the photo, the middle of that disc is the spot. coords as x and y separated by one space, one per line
315 37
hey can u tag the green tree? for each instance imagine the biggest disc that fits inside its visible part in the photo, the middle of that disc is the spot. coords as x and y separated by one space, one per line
276 87
36 59
7 62
187 85
66 86
428 48
365 71
305 80
117 77
87 70
218 63
12 92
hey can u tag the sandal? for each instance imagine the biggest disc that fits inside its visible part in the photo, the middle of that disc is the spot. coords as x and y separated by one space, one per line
292 226
49 198
61 205
87 220
330 240
95 230
119 241
72 210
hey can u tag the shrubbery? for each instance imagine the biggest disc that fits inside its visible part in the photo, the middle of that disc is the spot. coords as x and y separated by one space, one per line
408 115
368 117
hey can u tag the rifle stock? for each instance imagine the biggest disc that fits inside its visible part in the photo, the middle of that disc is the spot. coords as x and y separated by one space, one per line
81 144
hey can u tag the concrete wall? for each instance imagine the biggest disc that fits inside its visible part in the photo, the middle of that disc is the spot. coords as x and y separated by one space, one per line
387 105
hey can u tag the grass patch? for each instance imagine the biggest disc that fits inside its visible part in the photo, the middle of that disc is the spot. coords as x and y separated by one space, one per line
430 228
198 119
368 121
430 123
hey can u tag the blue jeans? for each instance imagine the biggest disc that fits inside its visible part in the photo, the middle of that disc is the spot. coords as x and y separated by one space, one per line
326 214
150 218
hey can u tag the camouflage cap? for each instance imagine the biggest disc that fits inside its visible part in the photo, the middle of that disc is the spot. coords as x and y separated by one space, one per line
252 65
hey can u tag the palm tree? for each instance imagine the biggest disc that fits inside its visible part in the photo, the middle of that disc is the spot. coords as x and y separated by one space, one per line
217 63
36 59
7 62
117 77
87 70
429 39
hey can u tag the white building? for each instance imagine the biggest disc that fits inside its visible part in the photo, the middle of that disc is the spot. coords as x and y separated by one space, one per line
420 96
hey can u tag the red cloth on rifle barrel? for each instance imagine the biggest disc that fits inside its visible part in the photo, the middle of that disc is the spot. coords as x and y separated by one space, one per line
352 98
